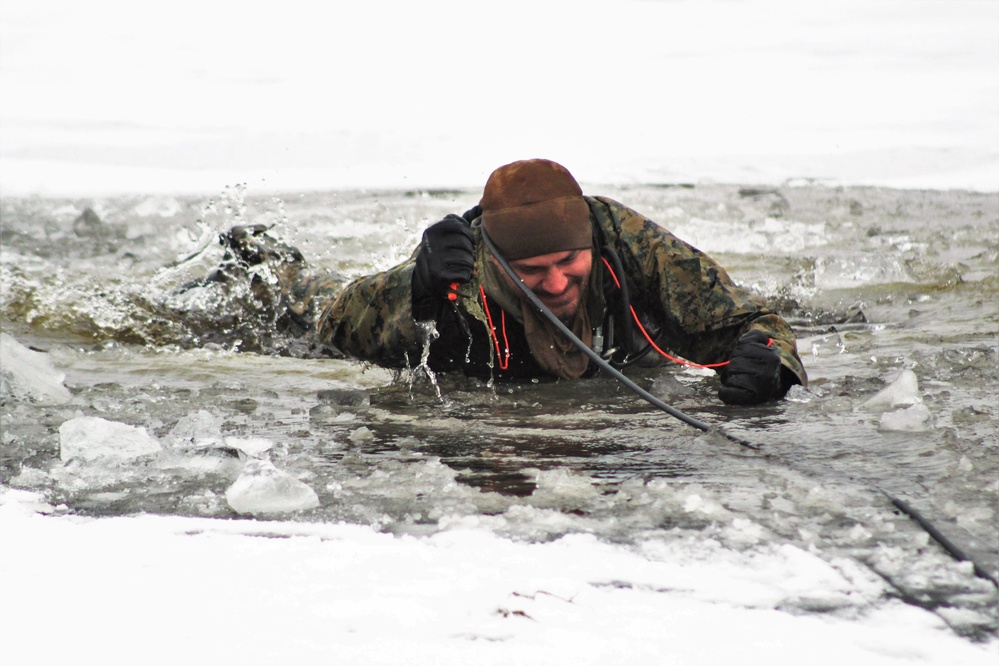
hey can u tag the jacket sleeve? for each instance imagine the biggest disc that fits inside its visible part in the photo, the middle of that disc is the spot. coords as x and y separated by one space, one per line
687 294
372 319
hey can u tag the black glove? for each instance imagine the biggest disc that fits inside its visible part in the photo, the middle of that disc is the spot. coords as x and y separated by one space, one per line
753 374
472 213
446 258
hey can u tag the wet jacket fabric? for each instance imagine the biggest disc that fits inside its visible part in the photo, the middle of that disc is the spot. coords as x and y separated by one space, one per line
686 301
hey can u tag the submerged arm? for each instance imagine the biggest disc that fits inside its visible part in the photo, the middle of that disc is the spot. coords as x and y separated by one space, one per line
372 318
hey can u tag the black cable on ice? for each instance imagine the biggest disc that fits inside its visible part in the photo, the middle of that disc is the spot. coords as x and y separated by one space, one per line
599 360
939 537
901 505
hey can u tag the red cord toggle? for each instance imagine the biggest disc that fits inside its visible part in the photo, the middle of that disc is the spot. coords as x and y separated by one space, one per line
451 295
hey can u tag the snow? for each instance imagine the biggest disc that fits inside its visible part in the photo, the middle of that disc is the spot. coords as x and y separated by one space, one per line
166 589
433 95
437 94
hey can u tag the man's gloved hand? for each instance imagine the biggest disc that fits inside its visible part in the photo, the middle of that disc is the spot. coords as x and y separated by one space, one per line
472 213
753 374
446 258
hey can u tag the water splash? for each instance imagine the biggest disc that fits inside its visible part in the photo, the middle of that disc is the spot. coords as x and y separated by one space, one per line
429 333
203 242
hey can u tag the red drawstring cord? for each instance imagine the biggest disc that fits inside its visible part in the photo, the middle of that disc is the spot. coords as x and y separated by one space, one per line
503 357
634 315
503 360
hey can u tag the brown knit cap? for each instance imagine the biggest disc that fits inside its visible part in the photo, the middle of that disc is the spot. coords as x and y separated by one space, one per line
535 207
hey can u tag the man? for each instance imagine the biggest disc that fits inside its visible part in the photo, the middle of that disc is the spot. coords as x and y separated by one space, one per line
621 283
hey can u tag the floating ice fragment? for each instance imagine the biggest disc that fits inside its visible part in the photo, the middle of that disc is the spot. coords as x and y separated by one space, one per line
263 488
799 393
745 532
910 419
563 489
29 375
668 386
903 391
362 434
859 534
201 429
693 503
250 447
345 397
92 438
704 506
968 516
29 477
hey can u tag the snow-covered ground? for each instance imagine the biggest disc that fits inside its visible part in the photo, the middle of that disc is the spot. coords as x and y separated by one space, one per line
162 590
110 96
107 96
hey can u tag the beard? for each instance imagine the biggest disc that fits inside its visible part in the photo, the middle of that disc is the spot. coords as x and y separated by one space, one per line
564 305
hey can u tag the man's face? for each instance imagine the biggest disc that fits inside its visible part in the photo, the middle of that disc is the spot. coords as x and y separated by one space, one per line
557 279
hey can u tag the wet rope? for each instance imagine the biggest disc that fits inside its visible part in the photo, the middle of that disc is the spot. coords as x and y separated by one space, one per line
901 505
600 361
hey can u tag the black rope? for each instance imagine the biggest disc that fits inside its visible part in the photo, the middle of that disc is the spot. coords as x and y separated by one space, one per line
599 360
939 537
901 505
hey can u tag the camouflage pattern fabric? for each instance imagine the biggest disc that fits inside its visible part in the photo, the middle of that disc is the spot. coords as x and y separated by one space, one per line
250 252
682 295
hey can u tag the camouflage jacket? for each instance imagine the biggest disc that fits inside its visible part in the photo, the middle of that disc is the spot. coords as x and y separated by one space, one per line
686 301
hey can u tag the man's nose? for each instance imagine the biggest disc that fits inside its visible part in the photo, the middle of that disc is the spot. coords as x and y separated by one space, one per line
555 281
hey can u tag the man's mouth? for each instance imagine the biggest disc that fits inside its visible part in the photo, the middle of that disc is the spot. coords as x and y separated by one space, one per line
566 299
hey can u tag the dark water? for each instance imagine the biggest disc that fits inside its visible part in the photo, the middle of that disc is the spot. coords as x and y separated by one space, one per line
875 282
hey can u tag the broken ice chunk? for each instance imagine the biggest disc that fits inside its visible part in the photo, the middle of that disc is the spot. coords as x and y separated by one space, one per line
903 391
249 447
29 375
910 419
263 488
200 429
362 434
92 438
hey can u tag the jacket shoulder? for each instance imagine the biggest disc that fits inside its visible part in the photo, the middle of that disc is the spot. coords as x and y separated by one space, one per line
614 218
